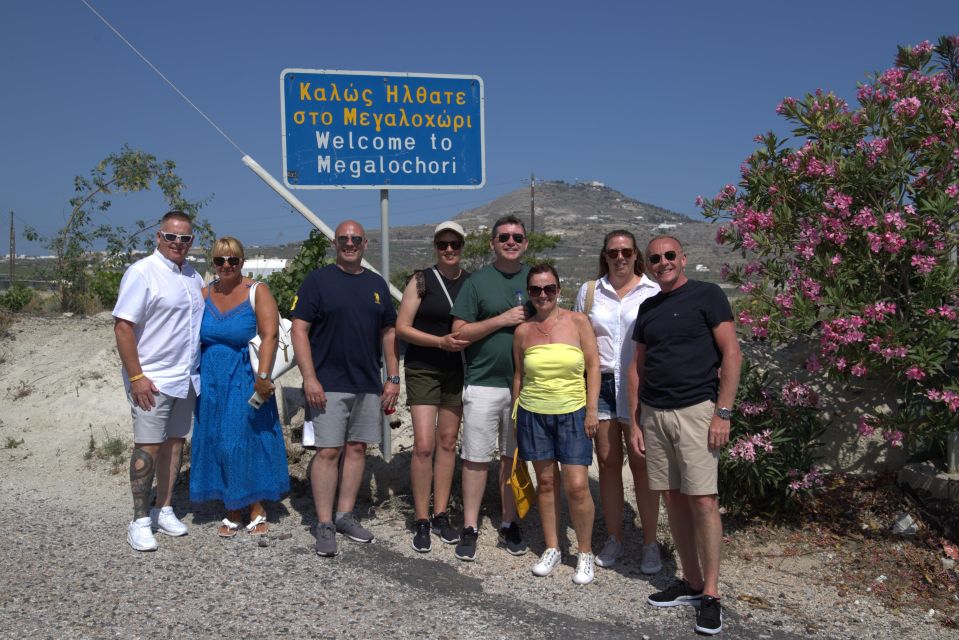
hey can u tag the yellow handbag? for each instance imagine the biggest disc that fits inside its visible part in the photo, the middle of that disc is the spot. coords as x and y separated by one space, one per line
522 486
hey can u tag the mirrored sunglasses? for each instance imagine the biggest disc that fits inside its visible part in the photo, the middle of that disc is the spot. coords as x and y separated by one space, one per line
668 255
176 237
517 237
346 240
614 253
550 290
219 260
443 245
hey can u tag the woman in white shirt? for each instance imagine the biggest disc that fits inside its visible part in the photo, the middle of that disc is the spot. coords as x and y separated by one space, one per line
612 308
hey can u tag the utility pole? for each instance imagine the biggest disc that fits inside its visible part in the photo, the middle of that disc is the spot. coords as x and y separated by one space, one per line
13 252
532 203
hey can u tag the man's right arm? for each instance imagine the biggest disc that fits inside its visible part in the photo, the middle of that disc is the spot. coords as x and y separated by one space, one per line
473 331
312 389
142 388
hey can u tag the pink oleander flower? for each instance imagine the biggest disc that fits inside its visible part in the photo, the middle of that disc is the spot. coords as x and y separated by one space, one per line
915 373
745 318
894 438
772 190
699 201
812 364
948 312
796 394
858 369
907 107
810 480
952 190
923 264
748 408
879 311
864 218
894 219
836 259
787 102
922 48
867 425
746 447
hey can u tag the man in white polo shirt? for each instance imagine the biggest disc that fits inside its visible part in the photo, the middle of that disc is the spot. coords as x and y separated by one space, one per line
157 326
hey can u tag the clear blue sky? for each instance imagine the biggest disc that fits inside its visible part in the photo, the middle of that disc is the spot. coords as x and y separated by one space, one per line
658 100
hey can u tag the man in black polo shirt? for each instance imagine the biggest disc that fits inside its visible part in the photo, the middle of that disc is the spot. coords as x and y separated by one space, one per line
687 364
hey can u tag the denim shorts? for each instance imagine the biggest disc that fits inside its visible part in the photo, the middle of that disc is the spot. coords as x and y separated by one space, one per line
607 396
560 437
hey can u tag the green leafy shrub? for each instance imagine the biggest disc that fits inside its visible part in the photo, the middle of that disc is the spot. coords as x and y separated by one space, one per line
284 284
105 285
16 297
773 436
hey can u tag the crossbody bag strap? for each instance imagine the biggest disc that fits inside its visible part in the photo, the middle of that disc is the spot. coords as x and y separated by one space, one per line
443 287
590 294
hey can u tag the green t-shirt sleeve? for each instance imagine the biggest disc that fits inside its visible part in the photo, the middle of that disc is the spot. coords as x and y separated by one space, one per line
466 306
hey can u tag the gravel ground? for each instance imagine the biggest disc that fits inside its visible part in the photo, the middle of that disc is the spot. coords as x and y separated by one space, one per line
68 571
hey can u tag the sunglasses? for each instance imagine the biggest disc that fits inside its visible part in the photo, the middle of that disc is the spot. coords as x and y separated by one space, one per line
443 245
550 290
176 237
220 260
345 240
614 253
668 255
517 237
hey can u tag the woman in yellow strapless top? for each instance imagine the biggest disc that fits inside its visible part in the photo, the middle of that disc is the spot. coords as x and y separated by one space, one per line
556 416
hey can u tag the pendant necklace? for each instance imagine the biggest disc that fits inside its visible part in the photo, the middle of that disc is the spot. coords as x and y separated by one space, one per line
545 333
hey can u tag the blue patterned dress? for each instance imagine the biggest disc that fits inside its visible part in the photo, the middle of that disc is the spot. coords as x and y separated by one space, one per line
238 454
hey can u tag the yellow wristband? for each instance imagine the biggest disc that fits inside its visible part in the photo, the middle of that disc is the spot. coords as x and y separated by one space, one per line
137 377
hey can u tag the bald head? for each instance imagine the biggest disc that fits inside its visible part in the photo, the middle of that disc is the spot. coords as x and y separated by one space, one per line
350 244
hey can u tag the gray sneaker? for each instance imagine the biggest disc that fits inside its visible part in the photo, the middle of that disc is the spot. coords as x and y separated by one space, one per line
611 552
325 539
349 527
651 559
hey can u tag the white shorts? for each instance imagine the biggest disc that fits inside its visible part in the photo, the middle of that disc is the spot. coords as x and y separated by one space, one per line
487 416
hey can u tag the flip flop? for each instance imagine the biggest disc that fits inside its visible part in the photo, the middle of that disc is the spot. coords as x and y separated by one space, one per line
227 528
258 526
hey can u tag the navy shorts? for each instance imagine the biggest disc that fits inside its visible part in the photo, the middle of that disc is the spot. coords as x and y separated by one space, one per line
560 437
607 397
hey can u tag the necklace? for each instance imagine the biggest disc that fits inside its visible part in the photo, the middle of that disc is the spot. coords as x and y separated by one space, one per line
456 277
536 325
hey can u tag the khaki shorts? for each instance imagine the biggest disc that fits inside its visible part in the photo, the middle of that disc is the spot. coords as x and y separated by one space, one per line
677 449
440 388
487 416
348 417
172 417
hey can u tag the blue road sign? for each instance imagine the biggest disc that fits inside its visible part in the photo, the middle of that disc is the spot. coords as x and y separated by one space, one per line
376 130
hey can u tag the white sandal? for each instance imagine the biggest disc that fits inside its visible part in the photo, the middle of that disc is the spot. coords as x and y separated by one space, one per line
231 528
260 519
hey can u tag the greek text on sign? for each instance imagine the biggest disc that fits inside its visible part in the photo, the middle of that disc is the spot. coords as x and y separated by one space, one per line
377 130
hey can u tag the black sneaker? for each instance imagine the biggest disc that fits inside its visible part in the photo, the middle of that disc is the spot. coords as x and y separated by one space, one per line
709 619
466 549
512 538
421 537
443 528
679 592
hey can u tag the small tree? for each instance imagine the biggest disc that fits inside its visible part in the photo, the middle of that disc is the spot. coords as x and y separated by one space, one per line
87 251
850 236
284 284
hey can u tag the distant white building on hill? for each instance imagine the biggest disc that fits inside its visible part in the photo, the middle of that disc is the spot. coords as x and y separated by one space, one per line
262 267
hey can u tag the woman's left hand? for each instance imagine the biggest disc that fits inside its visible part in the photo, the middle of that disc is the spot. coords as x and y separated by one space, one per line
591 422
264 388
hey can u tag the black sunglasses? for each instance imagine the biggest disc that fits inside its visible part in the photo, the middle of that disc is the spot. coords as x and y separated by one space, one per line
517 237
219 260
345 240
176 237
655 258
614 253
443 245
550 290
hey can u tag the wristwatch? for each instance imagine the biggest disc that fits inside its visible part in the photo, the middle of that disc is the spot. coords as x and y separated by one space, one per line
393 379
724 413
263 376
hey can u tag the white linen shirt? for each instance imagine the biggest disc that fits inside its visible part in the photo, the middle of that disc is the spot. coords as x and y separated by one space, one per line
165 305
613 320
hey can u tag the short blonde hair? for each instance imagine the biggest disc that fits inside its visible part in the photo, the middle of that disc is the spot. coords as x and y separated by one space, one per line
228 245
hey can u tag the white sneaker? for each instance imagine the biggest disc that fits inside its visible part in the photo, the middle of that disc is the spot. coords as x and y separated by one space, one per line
652 562
165 520
610 553
140 536
584 569
547 562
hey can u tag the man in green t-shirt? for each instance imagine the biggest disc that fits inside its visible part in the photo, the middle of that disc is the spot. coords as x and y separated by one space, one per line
488 308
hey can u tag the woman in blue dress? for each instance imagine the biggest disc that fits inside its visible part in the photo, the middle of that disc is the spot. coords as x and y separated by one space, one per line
238 454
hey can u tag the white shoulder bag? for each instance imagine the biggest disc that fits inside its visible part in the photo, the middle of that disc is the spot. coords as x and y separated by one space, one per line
285 358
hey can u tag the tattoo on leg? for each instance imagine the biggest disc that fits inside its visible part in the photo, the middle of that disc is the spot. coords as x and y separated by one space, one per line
142 470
